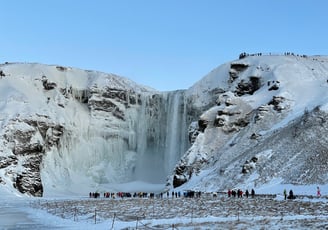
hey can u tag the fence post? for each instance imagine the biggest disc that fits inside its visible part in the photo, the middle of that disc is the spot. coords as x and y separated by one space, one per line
153 207
75 211
113 220
238 214
137 223
95 215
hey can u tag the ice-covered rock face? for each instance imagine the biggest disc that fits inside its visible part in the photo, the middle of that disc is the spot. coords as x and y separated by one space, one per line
25 141
75 130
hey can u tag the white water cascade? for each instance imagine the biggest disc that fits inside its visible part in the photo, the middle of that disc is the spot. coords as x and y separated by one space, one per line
176 129
162 135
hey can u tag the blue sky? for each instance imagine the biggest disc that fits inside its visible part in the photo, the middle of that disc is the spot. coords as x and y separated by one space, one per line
165 44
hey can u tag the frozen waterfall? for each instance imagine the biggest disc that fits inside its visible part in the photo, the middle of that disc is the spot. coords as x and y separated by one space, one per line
99 149
162 135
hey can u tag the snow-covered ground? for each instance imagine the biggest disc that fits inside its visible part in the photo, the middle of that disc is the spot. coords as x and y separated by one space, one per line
209 211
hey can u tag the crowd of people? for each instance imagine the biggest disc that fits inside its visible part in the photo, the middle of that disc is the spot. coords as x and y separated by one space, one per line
239 193
244 54
189 194
121 195
173 194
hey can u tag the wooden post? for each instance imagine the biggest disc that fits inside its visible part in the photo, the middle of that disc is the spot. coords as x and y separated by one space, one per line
113 220
238 214
153 207
74 214
95 216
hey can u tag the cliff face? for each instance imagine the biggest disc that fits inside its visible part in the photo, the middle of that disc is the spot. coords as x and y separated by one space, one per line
74 130
28 139
268 124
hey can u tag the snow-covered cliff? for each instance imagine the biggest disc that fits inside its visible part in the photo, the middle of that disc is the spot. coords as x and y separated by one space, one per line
268 125
249 122
70 130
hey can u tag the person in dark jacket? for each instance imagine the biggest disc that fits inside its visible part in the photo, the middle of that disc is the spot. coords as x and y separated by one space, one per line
247 193
291 195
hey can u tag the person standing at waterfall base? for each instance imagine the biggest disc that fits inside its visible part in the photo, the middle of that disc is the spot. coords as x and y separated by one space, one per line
318 191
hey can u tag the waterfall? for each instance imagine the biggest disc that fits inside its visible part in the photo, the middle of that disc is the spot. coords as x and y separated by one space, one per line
162 135
105 150
176 133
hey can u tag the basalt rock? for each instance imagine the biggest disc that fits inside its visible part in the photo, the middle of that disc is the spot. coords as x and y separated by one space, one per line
29 140
248 87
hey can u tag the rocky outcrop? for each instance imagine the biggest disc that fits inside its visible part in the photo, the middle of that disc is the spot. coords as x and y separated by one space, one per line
179 177
202 124
193 132
249 165
273 85
7 161
47 84
29 180
248 87
110 100
185 170
2 74
277 103
122 96
235 70
28 140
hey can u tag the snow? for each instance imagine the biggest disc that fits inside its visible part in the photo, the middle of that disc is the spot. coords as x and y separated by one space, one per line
302 81
206 212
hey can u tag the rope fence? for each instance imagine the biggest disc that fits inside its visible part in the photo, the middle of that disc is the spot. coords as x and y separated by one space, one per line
145 211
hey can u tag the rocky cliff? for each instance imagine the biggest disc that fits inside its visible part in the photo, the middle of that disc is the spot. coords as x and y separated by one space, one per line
268 124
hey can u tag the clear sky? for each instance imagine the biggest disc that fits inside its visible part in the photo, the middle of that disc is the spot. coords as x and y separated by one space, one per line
164 44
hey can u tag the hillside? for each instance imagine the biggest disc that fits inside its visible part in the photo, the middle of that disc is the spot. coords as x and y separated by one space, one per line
267 126
252 122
